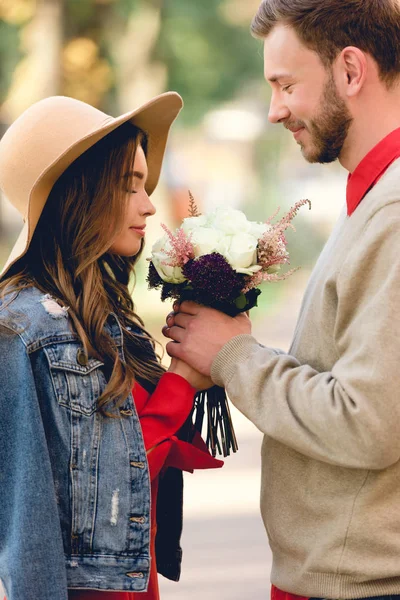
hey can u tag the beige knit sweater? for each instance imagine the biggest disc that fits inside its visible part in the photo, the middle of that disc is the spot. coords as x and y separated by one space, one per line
330 412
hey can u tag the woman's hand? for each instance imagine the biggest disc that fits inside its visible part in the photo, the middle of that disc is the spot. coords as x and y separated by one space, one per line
196 379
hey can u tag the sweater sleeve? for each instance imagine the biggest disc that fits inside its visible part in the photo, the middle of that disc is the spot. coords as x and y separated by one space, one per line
31 547
349 416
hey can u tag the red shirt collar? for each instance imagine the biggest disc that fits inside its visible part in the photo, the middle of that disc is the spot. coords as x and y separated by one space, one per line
371 169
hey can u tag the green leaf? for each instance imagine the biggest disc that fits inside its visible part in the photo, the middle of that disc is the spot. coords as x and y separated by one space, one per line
241 301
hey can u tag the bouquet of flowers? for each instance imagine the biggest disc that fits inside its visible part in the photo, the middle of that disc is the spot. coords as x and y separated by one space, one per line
219 260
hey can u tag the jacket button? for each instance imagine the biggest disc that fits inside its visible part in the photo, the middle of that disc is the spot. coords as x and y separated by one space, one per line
135 575
140 520
138 465
81 357
127 412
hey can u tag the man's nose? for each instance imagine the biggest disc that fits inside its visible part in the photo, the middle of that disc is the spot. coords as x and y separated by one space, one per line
278 111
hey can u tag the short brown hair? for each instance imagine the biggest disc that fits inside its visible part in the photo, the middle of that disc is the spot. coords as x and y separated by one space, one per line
328 26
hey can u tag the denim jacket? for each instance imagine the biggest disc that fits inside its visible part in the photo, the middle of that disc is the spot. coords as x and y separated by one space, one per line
56 453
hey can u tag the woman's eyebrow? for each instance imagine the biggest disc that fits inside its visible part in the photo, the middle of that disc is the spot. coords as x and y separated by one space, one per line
137 174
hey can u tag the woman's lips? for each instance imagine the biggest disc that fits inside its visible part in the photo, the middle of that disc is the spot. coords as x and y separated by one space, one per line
139 230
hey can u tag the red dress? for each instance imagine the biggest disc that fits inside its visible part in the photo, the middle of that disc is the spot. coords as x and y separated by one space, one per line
160 420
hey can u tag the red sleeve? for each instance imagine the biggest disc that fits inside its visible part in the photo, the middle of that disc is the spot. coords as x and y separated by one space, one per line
190 456
166 410
161 415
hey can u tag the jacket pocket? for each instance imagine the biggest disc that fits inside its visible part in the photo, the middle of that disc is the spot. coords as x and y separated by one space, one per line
78 381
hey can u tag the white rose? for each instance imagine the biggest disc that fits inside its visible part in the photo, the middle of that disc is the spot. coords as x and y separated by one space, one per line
258 229
191 223
205 240
250 270
240 251
159 257
229 220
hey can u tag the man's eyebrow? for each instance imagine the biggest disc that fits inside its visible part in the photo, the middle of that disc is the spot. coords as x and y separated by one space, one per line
275 78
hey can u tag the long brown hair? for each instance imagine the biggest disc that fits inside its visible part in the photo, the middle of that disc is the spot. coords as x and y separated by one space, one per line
328 26
69 258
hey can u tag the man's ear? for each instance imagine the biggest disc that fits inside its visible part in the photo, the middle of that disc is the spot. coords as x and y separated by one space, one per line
351 68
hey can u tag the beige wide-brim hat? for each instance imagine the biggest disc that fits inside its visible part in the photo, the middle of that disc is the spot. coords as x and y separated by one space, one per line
39 146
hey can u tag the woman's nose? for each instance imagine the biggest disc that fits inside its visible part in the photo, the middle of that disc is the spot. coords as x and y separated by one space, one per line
147 207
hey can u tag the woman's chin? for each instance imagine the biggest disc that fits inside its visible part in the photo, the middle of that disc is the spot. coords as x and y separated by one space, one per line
125 250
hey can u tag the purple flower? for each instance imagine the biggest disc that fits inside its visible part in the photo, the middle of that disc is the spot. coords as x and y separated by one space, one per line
213 279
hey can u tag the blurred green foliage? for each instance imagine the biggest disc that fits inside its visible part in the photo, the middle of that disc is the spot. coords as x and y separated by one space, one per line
10 54
209 59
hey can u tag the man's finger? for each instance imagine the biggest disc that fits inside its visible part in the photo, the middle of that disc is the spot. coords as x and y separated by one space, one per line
170 318
165 331
173 349
182 320
189 307
176 333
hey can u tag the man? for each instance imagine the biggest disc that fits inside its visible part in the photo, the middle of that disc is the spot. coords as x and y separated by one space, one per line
330 407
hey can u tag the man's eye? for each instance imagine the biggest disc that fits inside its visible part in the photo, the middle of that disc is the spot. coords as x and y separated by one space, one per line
286 88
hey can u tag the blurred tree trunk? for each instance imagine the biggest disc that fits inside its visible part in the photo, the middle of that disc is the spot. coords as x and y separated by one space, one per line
39 73
137 76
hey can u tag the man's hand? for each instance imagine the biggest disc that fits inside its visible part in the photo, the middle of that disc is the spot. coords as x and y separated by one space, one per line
201 332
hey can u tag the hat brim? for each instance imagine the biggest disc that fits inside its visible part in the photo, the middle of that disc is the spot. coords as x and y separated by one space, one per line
154 118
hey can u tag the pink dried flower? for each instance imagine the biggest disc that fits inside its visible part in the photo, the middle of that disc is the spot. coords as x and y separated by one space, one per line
182 247
255 280
193 210
272 250
272 217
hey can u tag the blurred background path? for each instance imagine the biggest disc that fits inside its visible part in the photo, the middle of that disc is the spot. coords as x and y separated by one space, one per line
116 54
226 553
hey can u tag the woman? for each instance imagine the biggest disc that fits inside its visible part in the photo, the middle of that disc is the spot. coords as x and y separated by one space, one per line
77 511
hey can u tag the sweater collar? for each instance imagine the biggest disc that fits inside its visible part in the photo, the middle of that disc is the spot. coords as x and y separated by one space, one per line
371 169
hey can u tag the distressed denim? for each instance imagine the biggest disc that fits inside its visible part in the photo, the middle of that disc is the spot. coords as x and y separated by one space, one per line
56 453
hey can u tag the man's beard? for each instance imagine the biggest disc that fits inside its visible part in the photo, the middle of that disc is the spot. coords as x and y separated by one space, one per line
329 129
